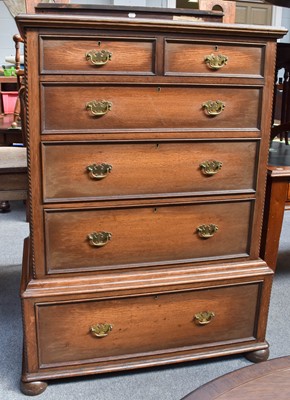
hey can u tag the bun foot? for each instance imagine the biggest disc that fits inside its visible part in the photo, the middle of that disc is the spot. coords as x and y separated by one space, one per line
33 388
258 356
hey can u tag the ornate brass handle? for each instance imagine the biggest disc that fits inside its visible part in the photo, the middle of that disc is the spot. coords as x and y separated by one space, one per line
213 108
210 167
207 231
99 171
99 239
99 108
98 57
101 330
204 317
216 61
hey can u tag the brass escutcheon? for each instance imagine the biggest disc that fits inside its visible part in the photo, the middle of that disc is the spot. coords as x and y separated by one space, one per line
210 167
207 231
99 108
101 330
99 239
204 317
216 61
99 171
212 107
98 57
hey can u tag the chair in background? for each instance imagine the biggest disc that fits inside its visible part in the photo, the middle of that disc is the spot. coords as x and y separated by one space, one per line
13 163
20 81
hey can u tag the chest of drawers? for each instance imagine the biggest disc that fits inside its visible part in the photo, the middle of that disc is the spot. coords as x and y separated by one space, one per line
147 153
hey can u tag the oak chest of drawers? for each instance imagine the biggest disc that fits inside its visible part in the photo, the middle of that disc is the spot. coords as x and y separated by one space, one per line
147 153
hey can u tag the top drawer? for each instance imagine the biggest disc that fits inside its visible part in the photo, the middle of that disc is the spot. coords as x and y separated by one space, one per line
188 58
97 55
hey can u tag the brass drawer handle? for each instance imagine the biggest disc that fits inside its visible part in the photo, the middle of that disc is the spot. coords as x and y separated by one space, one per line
98 57
101 330
99 108
210 167
99 239
204 317
213 108
207 231
99 171
216 61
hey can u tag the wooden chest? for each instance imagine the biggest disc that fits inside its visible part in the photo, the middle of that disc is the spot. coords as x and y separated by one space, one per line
147 152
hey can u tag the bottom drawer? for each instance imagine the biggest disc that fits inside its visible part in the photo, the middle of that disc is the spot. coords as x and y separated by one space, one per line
142 325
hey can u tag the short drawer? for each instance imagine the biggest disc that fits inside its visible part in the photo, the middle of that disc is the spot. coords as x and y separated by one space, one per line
99 330
73 171
185 57
105 238
80 108
97 55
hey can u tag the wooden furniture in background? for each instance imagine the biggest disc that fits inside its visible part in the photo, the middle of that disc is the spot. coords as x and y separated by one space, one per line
267 380
150 142
227 7
13 175
20 82
9 136
277 200
253 12
7 84
282 62
13 165
276 196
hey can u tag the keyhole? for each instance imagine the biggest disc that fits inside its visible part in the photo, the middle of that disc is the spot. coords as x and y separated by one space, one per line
216 48
99 43
159 89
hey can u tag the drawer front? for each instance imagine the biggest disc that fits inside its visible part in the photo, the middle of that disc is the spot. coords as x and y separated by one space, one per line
92 170
13 181
91 108
142 236
97 55
145 324
190 58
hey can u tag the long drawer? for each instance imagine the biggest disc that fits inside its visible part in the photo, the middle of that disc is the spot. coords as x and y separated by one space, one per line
105 238
97 55
188 57
76 170
96 330
70 108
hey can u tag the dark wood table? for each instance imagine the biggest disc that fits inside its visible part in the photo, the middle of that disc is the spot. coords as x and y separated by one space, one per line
278 179
277 189
265 381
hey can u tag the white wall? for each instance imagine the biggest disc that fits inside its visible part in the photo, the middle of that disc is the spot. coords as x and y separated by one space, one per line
7 31
286 22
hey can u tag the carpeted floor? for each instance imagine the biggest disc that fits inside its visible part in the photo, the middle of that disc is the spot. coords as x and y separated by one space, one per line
167 383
